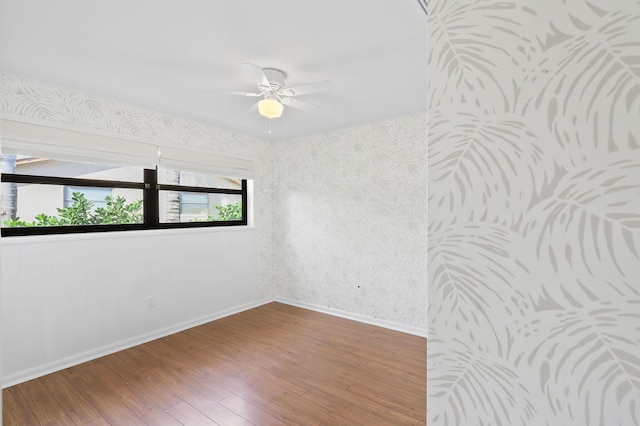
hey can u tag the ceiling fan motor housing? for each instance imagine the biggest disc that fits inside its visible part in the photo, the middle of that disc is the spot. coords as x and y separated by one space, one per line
276 78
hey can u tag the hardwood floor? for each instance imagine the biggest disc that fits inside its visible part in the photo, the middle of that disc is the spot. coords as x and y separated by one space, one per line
272 365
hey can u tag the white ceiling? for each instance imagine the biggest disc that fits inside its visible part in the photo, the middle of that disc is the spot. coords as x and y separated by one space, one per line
178 57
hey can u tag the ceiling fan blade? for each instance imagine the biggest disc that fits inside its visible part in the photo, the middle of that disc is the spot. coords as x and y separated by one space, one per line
257 74
294 103
254 108
250 94
305 89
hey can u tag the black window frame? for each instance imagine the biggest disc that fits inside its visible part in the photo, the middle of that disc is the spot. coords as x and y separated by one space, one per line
151 209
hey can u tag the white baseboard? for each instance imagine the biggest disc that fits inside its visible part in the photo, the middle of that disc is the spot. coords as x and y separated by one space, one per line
61 364
417 331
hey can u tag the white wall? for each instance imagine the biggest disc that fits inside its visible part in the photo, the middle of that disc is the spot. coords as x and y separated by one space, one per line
534 213
351 211
68 298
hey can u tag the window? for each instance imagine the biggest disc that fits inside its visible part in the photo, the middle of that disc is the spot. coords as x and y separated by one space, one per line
187 197
42 196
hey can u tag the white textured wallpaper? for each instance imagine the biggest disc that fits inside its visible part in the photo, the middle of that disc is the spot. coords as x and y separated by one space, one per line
353 213
534 212
32 99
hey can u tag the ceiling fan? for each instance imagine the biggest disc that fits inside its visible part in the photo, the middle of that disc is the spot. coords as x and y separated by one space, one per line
275 94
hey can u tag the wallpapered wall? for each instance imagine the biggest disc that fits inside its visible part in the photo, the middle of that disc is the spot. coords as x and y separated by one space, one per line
352 212
534 212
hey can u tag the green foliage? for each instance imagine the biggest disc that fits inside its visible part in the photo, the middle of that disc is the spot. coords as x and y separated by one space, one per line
44 220
18 222
117 211
229 211
78 213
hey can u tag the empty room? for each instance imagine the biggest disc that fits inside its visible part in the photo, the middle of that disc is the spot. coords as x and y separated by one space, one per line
320 213
213 213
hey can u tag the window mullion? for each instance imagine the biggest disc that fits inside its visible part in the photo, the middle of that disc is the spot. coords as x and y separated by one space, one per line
151 206
245 203
67 181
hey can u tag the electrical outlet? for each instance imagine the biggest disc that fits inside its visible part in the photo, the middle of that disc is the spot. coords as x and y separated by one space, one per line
151 302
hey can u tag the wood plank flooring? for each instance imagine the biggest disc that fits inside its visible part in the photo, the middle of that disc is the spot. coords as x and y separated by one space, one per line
272 365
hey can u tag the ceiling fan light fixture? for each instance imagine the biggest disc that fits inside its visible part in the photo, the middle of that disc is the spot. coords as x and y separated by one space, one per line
270 108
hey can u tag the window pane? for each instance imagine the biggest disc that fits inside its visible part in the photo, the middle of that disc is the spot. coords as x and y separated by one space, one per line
24 165
181 206
57 205
170 177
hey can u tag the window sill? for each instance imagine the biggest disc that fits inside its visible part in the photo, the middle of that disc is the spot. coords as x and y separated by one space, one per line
89 236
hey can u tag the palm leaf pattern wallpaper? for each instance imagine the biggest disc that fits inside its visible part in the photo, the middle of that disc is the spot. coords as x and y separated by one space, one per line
534 212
